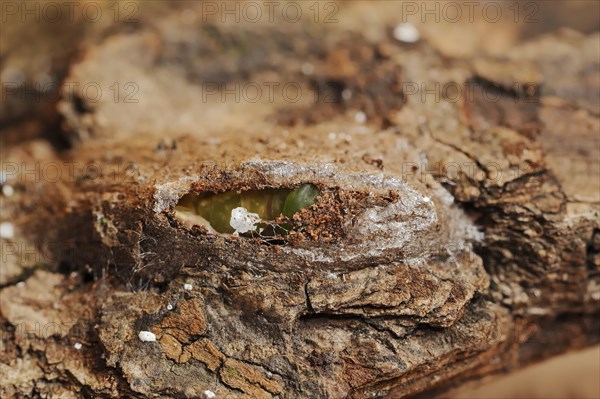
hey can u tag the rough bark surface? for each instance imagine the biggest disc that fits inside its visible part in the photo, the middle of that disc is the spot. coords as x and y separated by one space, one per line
453 238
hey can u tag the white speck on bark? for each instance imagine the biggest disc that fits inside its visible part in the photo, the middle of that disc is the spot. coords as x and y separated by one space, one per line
406 33
209 394
147 336
346 94
7 230
331 275
360 117
308 68
7 190
187 287
77 346
243 221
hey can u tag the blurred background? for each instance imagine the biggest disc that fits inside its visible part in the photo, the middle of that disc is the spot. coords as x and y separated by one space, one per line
39 40
574 375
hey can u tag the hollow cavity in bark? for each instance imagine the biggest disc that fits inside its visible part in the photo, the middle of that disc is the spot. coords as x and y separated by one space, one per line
252 213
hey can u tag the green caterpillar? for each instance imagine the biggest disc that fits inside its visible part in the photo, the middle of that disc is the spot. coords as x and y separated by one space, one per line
215 209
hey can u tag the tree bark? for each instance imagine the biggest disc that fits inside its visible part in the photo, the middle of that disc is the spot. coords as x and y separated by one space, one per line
456 234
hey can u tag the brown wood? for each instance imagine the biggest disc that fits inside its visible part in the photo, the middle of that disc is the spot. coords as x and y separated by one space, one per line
456 235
